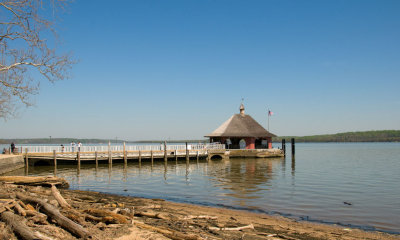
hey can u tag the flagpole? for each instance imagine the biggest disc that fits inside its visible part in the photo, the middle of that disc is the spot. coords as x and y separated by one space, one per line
268 119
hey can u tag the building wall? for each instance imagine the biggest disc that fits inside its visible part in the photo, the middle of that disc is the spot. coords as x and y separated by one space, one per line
250 142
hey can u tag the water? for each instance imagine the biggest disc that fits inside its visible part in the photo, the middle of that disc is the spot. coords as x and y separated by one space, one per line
312 187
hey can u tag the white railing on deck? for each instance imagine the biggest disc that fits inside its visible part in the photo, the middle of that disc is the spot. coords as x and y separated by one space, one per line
69 148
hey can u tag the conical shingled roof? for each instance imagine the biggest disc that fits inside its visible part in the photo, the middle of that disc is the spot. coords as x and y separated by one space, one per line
241 125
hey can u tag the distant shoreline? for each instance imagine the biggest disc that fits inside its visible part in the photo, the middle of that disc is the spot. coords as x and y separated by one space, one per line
364 136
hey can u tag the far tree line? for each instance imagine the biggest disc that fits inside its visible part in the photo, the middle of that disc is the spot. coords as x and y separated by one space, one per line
366 136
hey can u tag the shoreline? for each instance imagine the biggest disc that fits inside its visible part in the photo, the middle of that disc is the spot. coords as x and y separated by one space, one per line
272 226
127 217
287 216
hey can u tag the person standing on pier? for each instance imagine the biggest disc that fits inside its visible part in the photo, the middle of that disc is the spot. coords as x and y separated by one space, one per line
73 146
12 147
79 146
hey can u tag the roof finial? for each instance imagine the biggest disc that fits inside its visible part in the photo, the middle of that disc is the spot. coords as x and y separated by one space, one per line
242 108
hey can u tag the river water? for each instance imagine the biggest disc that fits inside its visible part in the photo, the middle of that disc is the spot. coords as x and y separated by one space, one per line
350 184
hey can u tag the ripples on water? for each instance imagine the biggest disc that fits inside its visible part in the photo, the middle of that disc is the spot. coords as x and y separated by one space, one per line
313 186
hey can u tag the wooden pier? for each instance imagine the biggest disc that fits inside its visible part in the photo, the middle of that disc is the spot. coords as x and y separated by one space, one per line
53 155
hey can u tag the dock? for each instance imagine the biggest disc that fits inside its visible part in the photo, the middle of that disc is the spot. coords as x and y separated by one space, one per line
53 155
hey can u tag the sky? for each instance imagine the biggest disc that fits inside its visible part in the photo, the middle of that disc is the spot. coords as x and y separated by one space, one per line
178 69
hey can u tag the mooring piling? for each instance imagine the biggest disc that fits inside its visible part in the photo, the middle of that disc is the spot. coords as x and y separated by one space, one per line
78 156
165 151
293 147
284 146
96 159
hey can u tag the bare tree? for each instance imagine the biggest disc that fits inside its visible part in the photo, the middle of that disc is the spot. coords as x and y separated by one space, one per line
26 55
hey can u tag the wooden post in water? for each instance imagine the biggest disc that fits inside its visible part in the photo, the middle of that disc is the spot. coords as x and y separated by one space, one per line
55 158
198 155
152 157
187 153
284 146
176 155
140 157
165 151
96 159
125 155
109 153
293 147
26 161
55 162
79 160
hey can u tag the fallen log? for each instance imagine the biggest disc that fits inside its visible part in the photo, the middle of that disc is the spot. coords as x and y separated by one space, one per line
199 217
53 213
152 215
18 226
168 232
6 204
35 181
108 215
232 228
19 209
37 217
57 195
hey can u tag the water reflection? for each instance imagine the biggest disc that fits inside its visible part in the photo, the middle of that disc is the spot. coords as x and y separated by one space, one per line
245 179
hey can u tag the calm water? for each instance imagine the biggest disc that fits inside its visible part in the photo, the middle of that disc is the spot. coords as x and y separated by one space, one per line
312 187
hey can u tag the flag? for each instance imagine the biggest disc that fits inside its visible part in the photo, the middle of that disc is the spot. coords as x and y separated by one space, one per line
270 113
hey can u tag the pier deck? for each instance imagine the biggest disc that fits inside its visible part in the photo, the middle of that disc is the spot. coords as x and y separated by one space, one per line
73 154
51 155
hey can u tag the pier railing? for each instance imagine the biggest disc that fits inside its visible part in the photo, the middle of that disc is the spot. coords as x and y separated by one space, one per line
119 148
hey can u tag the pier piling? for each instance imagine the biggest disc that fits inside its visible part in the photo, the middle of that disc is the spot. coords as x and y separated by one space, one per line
26 161
78 156
96 159
152 157
125 155
284 146
165 151
293 147
187 152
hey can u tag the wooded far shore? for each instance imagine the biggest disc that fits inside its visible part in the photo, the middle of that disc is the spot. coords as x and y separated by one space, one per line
364 136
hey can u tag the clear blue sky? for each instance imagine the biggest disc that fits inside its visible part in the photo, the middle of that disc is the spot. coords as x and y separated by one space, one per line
178 69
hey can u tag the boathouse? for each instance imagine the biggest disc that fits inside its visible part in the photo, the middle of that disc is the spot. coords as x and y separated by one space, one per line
241 131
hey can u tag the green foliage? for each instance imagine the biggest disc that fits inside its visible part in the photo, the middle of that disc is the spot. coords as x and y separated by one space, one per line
366 136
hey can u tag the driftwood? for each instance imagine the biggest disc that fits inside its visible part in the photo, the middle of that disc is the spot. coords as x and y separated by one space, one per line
19 209
42 237
168 232
93 218
153 215
37 217
53 212
57 195
199 217
232 229
6 204
107 216
18 226
35 181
